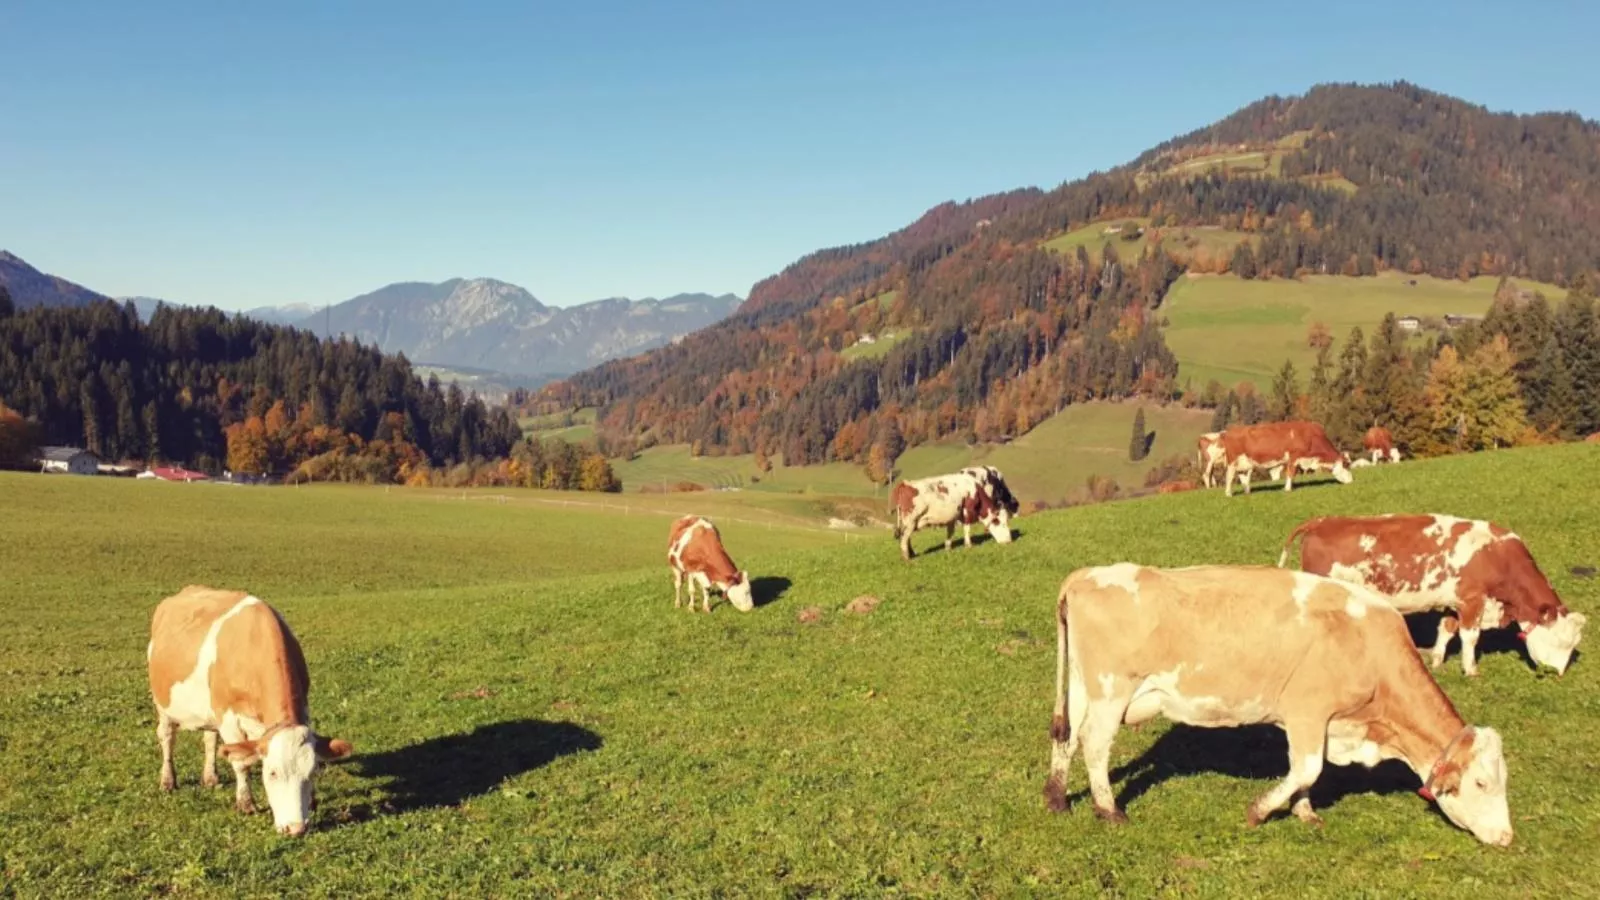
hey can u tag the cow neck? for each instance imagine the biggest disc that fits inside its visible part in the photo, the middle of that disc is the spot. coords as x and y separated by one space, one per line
1425 724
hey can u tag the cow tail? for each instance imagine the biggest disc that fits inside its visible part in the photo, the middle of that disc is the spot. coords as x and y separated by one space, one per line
1055 786
1295 535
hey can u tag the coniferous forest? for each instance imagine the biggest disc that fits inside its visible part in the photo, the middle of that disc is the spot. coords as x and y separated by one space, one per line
213 391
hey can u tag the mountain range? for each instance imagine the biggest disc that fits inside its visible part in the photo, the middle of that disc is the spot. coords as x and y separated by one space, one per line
477 324
488 324
982 318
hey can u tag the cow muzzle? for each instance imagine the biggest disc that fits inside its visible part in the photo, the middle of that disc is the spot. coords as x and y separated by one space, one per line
293 829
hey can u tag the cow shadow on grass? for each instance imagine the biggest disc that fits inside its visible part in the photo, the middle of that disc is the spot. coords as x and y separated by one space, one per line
1257 752
446 770
1424 628
768 589
956 545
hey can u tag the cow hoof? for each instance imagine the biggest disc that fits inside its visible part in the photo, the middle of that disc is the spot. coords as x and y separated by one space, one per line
210 780
1471 673
1111 816
168 784
245 807
1252 816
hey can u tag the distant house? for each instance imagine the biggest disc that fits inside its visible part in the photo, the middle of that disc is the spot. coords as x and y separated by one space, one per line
866 339
1408 323
173 473
71 460
1455 320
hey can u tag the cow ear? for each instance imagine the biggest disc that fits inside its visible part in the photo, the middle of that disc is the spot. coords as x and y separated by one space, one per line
1447 777
331 748
243 753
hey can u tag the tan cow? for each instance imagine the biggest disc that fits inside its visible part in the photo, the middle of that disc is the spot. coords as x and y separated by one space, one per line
976 495
1220 646
1479 570
1290 447
696 556
226 664
1379 445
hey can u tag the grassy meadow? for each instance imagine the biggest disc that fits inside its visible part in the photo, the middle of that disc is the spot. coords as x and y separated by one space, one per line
531 716
1051 462
1231 330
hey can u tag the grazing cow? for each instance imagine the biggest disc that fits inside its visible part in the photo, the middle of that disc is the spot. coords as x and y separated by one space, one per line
1220 646
226 664
1477 569
696 555
1288 446
1209 455
1379 445
970 496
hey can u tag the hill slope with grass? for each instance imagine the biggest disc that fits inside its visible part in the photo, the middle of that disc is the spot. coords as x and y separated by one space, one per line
1002 309
532 716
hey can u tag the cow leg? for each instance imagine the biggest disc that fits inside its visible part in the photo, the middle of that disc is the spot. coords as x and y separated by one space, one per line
1227 480
677 589
1288 475
949 535
1469 650
242 801
1306 744
166 736
905 539
1441 644
966 533
1302 809
1100 725
208 774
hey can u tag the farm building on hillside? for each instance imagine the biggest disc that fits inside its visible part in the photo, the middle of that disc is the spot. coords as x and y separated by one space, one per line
173 473
1408 323
1455 320
71 460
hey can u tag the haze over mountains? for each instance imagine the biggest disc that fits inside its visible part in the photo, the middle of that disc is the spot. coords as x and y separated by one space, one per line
473 323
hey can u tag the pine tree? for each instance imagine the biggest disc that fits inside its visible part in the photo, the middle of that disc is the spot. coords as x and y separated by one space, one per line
1223 416
1244 261
1139 441
1285 393
7 308
1494 402
1549 392
1321 390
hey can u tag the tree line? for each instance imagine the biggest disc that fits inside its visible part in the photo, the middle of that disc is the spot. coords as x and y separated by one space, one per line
1527 373
210 391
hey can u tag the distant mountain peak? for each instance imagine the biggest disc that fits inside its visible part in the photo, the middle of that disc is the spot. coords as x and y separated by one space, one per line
30 287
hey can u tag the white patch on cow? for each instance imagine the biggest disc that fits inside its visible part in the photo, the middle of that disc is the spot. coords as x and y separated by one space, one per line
1120 575
1355 608
1161 690
1348 745
1493 612
1108 684
235 728
286 770
1552 645
190 702
1305 584
1368 542
1467 546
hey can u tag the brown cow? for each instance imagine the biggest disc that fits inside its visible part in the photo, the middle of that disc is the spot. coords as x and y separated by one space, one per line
1379 445
696 556
1220 646
972 496
1290 446
226 664
1478 569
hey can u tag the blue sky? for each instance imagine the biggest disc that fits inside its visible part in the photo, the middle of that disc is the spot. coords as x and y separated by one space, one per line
300 152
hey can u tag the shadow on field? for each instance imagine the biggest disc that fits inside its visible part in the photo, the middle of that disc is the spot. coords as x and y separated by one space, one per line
978 538
444 771
1259 752
768 589
1424 628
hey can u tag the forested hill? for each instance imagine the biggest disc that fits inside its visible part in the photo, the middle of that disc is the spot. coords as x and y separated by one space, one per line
200 387
982 321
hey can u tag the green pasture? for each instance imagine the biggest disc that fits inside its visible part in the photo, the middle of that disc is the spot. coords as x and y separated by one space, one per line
531 716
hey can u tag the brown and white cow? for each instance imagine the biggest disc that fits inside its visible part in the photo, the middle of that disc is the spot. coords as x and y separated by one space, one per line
1330 663
1291 447
1209 455
696 556
977 495
1379 445
226 664
1477 569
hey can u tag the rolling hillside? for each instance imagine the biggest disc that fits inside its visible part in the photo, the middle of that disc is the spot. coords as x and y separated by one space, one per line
545 723
1004 308
1230 330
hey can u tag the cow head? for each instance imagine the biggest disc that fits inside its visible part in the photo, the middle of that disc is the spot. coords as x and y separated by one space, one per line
1469 784
1341 469
739 593
289 758
1552 644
